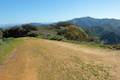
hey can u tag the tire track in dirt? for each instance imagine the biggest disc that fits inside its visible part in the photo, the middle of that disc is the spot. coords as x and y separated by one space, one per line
20 65
38 59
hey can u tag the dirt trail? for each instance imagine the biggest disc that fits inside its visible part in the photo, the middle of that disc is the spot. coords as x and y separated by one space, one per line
20 65
38 59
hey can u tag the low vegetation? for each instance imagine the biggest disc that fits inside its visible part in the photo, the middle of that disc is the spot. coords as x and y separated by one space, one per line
7 46
20 31
63 31
1 34
71 32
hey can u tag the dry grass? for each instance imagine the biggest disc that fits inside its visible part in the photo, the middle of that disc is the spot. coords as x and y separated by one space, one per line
39 59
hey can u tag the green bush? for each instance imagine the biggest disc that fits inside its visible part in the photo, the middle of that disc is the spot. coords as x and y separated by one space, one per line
20 31
1 34
1 41
54 37
72 32
114 47
33 34
117 47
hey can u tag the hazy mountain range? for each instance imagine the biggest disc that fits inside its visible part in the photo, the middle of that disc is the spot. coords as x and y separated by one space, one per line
83 22
91 22
107 30
98 25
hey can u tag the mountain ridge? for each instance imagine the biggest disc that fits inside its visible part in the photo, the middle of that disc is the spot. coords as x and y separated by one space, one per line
90 22
106 30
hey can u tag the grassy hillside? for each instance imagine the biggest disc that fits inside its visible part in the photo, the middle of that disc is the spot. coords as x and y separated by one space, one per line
39 59
7 46
66 30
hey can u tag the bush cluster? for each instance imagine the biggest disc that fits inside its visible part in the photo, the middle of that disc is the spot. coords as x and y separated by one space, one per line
54 37
20 31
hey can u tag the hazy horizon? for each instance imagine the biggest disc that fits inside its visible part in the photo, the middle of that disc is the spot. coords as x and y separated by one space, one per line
56 21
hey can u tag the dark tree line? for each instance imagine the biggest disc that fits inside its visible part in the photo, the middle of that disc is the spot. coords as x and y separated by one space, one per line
19 31
110 38
59 31
1 34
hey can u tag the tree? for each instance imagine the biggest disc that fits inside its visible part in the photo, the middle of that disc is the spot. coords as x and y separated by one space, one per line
72 32
15 32
29 27
20 31
110 38
61 24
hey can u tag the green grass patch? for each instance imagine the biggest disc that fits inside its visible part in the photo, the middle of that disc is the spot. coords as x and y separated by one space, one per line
7 46
94 44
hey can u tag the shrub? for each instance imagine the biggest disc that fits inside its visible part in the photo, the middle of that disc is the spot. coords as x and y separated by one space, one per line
20 31
33 34
72 32
29 28
110 38
114 47
1 34
54 37
1 41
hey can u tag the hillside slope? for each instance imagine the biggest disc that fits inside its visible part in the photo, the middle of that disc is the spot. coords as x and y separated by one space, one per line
100 28
39 59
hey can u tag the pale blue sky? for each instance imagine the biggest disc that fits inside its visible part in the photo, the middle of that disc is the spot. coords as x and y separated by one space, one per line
25 11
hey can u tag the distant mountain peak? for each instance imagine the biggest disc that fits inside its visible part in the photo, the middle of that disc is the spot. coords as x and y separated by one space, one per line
91 22
84 18
87 17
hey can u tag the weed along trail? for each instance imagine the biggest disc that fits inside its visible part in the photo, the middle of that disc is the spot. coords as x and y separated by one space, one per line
20 65
39 59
